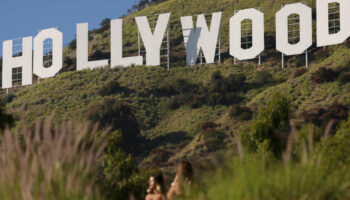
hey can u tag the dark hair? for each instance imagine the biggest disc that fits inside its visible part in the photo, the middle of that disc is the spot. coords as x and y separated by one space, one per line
185 171
160 181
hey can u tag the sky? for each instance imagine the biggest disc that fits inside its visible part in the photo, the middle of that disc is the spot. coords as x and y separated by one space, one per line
22 18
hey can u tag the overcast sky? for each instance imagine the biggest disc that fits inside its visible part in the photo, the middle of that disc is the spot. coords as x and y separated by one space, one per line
21 18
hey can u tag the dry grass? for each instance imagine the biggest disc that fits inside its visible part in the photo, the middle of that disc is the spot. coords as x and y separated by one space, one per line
50 162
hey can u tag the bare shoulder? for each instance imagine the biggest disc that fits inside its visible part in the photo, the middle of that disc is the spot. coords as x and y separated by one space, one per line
148 197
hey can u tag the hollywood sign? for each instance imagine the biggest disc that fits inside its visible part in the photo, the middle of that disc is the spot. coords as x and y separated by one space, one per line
195 39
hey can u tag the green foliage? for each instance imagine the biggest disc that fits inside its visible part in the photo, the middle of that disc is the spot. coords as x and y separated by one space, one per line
6 120
241 113
323 75
111 88
263 77
300 72
112 113
264 129
121 178
321 116
73 44
256 178
344 77
105 25
8 98
218 91
336 149
211 137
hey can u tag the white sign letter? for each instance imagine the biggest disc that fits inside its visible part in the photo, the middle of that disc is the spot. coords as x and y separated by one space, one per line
117 47
323 36
258 45
57 42
201 37
24 61
83 49
153 41
305 31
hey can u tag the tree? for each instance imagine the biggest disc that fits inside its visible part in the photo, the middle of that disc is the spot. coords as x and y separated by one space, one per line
121 178
6 120
113 113
269 120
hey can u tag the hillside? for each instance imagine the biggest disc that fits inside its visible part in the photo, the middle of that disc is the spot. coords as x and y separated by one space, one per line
251 131
173 123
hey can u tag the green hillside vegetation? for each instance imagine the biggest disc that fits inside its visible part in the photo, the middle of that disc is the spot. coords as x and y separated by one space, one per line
208 113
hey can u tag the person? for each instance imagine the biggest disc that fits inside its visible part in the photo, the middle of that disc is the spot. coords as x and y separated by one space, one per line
156 189
182 182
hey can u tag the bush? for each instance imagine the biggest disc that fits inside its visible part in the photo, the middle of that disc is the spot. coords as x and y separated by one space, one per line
263 77
210 136
208 125
300 72
8 98
183 86
73 44
105 25
111 88
112 113
219 91
121 178
241 113
165 90
6 120
99 55
224 90
344 78
269 120
322 116
323 75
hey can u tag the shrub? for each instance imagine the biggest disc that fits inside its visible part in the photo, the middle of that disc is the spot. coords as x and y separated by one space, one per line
323 75
210 136
6 120
219 91
111 88
300 72
99 55
183 86
73 44
270 118
241 113
344 77
165 90
112 113
105 25
8 98
224 90
322 116
68 61
263 77
207 125
121 178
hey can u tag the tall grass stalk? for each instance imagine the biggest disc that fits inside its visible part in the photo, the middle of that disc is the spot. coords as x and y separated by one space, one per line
294 177
50 162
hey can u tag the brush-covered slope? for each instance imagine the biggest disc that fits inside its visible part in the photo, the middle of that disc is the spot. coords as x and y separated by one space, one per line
188 112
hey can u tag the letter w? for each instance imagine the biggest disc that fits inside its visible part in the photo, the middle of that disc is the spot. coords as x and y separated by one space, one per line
201 37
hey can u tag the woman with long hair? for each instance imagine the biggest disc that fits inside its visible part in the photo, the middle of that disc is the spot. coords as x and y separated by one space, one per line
182 182
156 189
